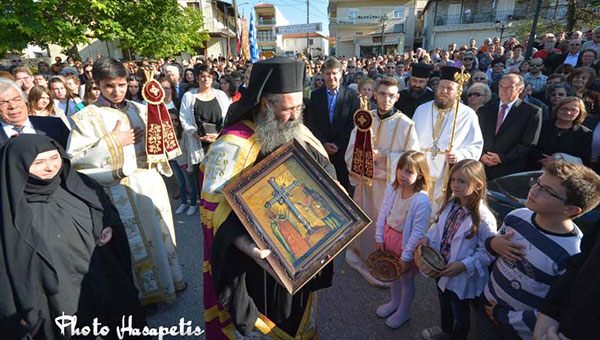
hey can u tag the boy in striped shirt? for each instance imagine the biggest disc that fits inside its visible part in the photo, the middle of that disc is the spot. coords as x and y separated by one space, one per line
534 245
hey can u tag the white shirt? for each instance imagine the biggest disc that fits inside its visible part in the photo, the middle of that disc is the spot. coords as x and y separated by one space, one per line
509 106
27 128
572 59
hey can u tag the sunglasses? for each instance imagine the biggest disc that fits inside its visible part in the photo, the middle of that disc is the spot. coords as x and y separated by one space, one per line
468 59
536 65
475 94
319 79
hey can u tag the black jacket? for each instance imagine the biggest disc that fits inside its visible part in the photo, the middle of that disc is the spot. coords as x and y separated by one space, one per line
408 105
518 135
317 120
48 126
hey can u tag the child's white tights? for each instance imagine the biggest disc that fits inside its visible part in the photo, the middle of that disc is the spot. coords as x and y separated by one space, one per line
397 311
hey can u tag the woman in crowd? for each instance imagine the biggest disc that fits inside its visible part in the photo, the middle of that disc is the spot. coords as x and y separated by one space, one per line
63 248
555 93
190 79
227 85
564 134
44 68
365 91
478 94
524 67
316 82
63 98
580 80
555 78
565 70
202 115
358 76
73 83
40 103
587 57
134 89
92 92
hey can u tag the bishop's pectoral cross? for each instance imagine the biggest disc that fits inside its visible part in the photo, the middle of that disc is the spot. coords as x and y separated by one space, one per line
281 194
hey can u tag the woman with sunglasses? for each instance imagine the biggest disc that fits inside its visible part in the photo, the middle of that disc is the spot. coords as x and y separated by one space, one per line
563 134
316 82
478 94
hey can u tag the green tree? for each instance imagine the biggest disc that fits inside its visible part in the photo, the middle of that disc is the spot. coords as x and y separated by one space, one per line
153 28
579 14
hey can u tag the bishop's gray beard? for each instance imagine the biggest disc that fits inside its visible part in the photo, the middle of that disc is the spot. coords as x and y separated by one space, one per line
271 133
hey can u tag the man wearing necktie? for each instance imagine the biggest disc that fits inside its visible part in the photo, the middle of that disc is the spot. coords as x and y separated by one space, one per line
510 128
15 119
329 116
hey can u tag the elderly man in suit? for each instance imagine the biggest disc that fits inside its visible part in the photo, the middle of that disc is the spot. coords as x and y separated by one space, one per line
173 76
15 119
329 117
510 128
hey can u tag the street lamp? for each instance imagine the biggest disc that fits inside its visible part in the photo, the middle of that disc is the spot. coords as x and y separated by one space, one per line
382 24
500 26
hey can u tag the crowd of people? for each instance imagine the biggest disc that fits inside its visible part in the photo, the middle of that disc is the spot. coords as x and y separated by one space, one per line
76 204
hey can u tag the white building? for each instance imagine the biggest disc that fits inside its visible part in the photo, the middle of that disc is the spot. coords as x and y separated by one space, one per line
458 21
357 26
266 16
296 43
219 23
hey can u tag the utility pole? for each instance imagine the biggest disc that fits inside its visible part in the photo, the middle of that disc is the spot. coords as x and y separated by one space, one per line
307 34
235 26
533 29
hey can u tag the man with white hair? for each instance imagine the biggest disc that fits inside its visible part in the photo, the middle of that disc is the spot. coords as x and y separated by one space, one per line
15 119
173 76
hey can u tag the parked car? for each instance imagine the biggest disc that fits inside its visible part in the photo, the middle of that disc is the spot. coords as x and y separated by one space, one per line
508 193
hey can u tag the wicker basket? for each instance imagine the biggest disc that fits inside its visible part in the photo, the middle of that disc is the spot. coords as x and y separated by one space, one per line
429 261
384 265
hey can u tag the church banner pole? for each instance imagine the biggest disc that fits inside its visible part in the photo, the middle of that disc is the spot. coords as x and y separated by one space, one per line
460 78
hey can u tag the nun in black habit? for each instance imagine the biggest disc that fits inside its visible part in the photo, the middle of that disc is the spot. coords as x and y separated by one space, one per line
56 250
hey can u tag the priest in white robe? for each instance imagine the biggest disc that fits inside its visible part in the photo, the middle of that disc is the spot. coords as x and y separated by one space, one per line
433 123
391 134
107 143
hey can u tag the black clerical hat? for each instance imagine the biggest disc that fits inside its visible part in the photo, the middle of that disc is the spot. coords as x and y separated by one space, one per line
421 70
275 75
448 72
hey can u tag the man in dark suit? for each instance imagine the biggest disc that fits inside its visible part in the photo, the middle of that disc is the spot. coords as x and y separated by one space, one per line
330 117
417 92
15 119
510 128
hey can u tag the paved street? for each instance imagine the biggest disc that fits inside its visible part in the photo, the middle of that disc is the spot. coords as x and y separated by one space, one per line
346 310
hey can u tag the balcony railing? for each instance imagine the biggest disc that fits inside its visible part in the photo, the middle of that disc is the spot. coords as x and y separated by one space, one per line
474 17
266 21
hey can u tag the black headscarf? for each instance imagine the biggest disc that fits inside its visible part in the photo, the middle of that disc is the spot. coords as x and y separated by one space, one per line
25 263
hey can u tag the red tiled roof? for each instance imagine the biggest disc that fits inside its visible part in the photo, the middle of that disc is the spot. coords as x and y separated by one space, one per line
263 5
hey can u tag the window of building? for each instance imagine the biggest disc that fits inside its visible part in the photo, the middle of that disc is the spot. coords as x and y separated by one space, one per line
195 5
398 28
352 13
399 12
310 42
